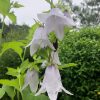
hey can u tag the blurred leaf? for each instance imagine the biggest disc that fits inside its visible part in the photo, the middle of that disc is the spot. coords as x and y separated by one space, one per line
10 91
17 5
67 65
48 1
24 66
33 65
4 7
0 31
14 83
28 95
31 32
15 45
12 17
12 72
2 92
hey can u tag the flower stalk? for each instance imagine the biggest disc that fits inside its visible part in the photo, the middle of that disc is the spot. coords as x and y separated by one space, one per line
54 21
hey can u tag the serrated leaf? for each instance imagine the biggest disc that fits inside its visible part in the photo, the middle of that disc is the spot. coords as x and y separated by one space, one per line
2 92
17 5
12 72
16 46
33 66
28 95
4 7
14 83
12 17
10 91
24 66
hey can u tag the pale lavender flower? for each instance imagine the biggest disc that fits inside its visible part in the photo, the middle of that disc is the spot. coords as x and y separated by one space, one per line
40 40
52 83
31 79
55 21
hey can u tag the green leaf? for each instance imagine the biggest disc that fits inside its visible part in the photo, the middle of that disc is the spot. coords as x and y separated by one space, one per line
12 72
48 1
34 66
15 45
10 91
2 92
24 65
67 65
14 83
31 32
28 95
4 7
17 5
12 17
0 31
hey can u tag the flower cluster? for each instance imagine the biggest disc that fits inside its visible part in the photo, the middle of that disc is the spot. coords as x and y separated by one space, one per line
54 21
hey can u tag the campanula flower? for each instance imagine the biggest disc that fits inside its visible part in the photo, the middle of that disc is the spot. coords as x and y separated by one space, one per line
40 40
55 22
31 79
52 83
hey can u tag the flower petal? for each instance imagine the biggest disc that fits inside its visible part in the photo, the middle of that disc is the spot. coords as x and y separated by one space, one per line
69 20
59 31
42 17
32 80
55 58
55 24
51 79
33 48
50 25
53 96
66 91
40 40
56 11
50 45
42 90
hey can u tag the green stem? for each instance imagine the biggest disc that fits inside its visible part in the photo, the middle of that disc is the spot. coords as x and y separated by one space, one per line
18 95
20 83
12 99
3 25
51 4
23 55
20 88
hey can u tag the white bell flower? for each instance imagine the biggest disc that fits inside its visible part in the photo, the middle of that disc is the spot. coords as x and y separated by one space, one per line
55 58
31 79
52 83
40 40
55 21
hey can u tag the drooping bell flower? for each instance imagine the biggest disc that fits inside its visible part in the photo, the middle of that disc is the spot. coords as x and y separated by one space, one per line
52 83
40 40
55 58
55 21
31 79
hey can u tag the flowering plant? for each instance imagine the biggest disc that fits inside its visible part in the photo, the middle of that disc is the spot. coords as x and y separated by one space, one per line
54 21
44 52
